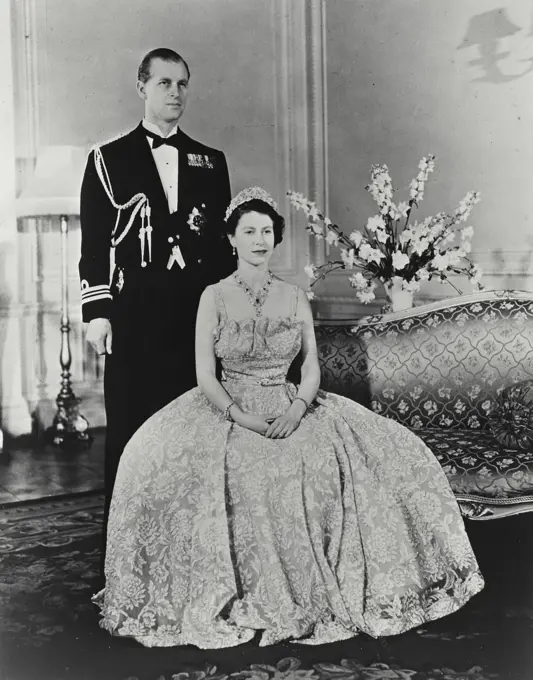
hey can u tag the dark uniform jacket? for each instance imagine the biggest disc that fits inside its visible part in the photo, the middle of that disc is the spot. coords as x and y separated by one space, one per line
129 170
152 308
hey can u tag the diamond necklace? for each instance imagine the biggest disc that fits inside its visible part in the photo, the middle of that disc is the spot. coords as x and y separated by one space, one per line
257 299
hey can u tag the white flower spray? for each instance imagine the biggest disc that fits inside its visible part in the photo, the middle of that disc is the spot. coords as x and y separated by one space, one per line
390 248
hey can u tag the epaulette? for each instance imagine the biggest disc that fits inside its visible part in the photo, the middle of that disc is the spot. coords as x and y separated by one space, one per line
99 145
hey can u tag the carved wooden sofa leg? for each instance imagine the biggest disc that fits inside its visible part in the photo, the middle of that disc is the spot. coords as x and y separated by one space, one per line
483 510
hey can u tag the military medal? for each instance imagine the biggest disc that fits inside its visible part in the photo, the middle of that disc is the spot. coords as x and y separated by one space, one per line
197 220
198 160
120 282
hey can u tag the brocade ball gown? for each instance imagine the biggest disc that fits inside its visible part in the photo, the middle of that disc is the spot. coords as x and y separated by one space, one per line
217 532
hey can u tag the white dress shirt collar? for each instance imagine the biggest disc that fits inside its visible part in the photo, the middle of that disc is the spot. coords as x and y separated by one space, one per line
153 128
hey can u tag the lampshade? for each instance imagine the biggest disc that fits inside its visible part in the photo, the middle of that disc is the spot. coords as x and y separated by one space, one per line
488 26
54 188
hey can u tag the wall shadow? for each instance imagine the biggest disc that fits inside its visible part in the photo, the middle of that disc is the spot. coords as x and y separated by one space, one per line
486 31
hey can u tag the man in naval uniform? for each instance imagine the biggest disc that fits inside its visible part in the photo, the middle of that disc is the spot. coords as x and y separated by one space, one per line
157 198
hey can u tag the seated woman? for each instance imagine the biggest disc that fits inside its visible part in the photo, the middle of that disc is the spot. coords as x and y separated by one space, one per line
249 505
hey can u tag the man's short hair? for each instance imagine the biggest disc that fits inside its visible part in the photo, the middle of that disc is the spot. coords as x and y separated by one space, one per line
145 67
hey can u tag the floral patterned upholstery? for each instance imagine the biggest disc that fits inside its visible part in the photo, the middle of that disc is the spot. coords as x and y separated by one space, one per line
439 369
476 464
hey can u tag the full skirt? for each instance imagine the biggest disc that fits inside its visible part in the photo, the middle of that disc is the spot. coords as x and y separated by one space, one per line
215 533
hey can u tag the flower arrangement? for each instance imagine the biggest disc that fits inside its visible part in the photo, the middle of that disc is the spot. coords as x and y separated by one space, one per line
391 249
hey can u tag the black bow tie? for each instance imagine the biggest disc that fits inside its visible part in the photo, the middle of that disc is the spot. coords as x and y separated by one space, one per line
173 140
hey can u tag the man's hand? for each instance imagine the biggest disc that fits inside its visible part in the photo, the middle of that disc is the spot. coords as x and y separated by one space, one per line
284 425
100 336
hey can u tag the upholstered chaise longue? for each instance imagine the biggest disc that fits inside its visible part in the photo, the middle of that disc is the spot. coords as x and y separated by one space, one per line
460 374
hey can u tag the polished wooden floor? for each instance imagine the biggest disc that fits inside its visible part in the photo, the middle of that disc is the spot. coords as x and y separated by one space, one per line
29 471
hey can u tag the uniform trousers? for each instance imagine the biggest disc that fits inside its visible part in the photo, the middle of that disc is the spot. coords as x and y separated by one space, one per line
152 360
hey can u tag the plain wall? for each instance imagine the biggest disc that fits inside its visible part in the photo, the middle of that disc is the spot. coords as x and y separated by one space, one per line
89 56
451 77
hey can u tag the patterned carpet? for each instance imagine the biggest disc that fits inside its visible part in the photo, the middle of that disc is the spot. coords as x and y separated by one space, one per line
49 628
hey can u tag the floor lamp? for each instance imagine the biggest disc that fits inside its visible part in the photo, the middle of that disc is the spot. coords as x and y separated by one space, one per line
53 191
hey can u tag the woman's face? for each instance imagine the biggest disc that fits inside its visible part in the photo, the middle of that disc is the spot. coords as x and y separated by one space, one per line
254 238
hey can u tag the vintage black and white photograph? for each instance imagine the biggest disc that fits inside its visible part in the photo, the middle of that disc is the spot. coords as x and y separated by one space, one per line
266 340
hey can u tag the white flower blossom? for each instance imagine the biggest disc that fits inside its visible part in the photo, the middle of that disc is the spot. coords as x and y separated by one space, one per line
399 260
406 236
358 281
374 223
356 237
417 185
366 296
310 270
382 235
441 261
403 208
465 206
413 189
315 229
348 257
420 246
364 287
369 254
424 229
297 199
427 164
300 202
399 211
332 238
422 274
394 213
380 187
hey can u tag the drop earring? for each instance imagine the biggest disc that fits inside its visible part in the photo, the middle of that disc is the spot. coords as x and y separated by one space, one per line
234 251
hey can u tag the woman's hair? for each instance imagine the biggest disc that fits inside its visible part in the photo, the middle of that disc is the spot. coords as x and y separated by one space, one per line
256 205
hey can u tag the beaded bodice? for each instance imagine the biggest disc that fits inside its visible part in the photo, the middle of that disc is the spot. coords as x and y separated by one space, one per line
258 350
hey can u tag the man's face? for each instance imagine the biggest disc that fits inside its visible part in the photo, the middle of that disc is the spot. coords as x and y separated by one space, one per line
165 92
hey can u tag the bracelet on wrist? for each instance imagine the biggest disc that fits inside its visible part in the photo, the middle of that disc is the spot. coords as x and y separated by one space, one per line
227 414
302 400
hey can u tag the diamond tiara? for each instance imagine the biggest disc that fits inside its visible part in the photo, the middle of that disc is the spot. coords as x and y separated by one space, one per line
248 195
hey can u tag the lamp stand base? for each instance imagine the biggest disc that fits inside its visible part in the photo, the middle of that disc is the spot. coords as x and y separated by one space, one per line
69 430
